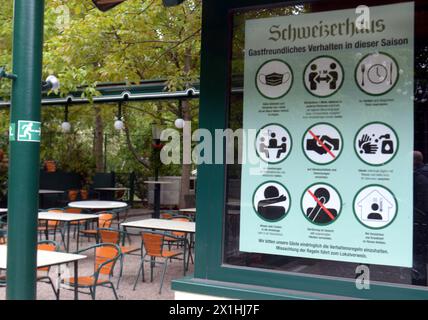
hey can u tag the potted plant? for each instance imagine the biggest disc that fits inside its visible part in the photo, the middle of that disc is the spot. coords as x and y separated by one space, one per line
86 184
50 165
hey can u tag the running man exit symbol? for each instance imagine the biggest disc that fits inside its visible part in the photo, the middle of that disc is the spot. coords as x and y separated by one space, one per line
12 131
29 131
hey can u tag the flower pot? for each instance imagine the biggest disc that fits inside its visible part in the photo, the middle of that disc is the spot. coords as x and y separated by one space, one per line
84 194
50 166
72 195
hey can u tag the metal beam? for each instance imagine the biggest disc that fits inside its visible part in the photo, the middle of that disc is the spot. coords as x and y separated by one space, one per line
113 93
24 150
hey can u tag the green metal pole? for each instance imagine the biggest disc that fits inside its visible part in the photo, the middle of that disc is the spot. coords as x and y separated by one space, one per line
24 150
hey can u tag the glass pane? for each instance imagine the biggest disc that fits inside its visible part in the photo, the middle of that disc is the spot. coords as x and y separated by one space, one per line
417 275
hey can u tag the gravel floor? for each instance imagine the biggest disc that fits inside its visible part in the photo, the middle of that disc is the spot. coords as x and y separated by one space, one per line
145 290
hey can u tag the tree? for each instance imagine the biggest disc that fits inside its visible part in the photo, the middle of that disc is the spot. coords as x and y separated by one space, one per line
134 41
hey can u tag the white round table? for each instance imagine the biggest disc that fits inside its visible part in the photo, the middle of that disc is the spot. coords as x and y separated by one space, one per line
191 210
157 182
112 189
46 191
98 205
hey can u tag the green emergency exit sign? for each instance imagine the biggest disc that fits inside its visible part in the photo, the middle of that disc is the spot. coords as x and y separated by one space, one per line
29 131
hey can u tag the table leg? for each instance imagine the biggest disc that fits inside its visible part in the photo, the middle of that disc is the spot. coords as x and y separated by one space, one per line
184 255
98 226
123 238
156 213
190 250
47 230
76 276
68 237
78 230
58 283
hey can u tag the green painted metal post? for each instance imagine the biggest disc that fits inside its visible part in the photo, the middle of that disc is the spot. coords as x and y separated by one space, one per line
24 150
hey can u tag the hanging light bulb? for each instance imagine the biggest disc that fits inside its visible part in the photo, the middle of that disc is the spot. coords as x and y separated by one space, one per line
179 123
118 123
65 125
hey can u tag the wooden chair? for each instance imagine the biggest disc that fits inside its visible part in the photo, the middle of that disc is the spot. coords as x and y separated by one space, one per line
75 223
105 219
3 229
106 256
43 273
51 226
153 244
109 235
179 238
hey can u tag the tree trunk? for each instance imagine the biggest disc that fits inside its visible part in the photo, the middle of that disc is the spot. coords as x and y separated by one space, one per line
99 140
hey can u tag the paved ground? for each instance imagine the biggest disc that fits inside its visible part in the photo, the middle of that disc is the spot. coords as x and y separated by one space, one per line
145 290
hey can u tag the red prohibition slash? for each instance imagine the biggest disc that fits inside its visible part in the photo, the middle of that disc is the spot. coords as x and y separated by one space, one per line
330 215
322 144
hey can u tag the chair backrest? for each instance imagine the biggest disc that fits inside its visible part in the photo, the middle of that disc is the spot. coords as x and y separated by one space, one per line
180 218
153 243
72 194
106 256
54 210
105 220
120 194
165 215
107 235
73 210
47 245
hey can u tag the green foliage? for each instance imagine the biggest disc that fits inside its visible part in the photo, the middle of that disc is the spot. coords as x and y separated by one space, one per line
84 47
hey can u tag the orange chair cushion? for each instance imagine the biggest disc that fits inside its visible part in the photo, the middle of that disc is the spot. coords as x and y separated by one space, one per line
167 254
91 232
126 250
173 239
85 281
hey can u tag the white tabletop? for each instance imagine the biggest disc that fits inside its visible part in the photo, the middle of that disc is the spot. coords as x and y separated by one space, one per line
112 189
162 224
3 210
45 191
157 182
96 204
58 216
192 210
44 258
